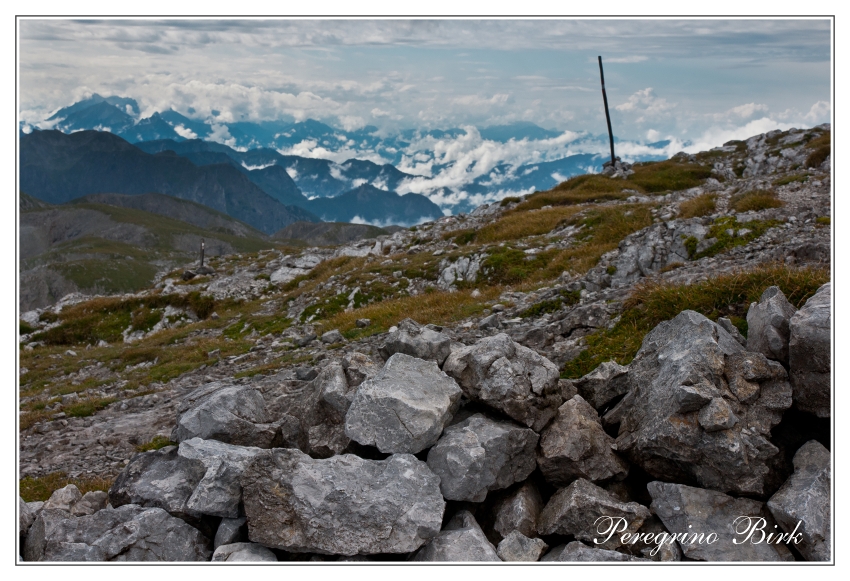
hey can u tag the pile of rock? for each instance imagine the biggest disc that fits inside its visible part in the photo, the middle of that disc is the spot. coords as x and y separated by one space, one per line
364 459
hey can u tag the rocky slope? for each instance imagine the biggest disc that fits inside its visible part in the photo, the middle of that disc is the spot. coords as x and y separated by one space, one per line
653 349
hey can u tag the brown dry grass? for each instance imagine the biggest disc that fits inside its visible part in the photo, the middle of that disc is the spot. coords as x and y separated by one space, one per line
702 205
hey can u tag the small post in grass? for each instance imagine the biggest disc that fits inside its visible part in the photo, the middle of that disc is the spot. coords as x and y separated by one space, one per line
607 115
202 251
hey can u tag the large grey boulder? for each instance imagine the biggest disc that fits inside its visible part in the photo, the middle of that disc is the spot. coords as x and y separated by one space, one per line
511 378
600 386
579 552
809 354
479 454
461 541
413 339
694 514
319 405
404 407
802 505
768 322
158 478
358 367
518 547
574 445
589 512
26 517
201 477
701 407
518 511
343 505
91 502
231 530
219 492
242 552
63 498
234 414
127 533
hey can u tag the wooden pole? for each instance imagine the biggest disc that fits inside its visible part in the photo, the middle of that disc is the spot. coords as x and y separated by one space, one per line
607 115
202 252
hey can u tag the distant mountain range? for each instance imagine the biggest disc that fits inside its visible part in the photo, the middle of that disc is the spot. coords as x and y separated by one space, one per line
56 167
325 162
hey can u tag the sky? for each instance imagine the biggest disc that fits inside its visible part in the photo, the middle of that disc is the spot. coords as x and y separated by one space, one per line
700 82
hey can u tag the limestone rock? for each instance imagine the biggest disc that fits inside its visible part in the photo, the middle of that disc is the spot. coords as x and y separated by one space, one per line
511 378
805 499
700 407
809 354
26 518
574 510
343 505
333 336
234 414
461 541
418 341
158 478
127 533
63 499
579 552
404 407
518 511
242 552
90 503
219 492
358 368
686 510
603 384
231 530
479 454
768 322
574 445
517 547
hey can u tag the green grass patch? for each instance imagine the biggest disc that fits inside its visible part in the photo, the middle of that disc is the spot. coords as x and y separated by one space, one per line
516 225
566 298
790 179
823 220
670 175
40 488
156 443
702 205
755 201
87 407
509 200
653 302
25 328
729 234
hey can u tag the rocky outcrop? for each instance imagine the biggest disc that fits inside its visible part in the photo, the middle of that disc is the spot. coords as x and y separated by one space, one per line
701 407
242 552
802 506
695 513
418 341
479 454
574 445
343 505
603 384
768 325
590 513
461 540
404 408
126 533
518 511
517 547
508 377
810 355
233 414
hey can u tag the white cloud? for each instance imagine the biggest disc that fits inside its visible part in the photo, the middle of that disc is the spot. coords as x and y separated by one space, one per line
652 135
254 167
717 136
183 132
819 113
390 222
221 134
293 173
645 103
311 148
625 59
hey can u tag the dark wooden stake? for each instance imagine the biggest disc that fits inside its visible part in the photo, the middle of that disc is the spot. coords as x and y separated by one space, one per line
607 115
202 251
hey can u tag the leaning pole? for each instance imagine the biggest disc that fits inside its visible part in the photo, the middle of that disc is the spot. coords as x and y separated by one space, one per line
607 115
